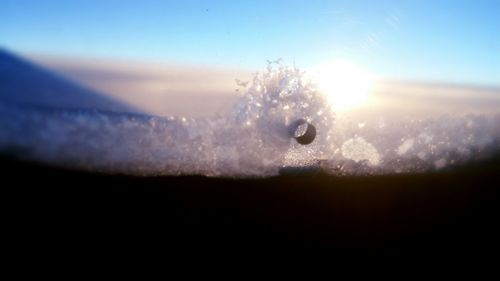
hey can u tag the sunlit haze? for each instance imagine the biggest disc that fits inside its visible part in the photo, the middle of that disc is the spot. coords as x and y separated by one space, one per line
346 84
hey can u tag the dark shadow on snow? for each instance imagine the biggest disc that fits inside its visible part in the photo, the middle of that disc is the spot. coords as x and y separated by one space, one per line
25 83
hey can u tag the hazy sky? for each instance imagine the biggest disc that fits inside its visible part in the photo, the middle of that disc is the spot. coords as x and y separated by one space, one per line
447 40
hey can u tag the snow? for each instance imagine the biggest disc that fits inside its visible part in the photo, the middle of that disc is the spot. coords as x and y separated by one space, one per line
254 139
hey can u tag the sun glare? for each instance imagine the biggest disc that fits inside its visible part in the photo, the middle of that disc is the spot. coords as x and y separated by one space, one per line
346 84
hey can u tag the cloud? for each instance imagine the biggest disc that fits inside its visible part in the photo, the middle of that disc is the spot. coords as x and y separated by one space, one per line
161 89
197 90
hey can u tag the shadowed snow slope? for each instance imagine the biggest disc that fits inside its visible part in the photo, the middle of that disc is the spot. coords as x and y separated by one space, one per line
22 82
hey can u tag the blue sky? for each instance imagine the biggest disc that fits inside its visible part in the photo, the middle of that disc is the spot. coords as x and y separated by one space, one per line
451 41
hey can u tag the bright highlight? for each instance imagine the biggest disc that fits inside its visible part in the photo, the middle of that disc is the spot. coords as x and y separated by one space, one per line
346 84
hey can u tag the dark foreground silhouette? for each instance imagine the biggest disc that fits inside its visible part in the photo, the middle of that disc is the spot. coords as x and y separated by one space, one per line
450 211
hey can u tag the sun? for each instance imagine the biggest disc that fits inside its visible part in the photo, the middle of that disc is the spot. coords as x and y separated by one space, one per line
346 84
